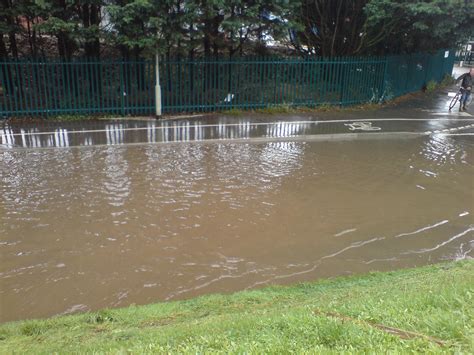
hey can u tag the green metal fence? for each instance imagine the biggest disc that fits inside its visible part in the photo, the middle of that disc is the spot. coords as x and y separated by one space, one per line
49 87
409 73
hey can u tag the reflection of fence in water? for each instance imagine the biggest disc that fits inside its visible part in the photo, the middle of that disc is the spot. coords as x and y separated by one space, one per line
34 138
286 129
120 133
114 134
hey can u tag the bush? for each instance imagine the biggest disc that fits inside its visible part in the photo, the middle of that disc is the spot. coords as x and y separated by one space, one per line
447 80
431 86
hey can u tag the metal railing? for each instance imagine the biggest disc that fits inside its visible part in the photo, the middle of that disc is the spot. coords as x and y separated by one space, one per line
465 56
52 87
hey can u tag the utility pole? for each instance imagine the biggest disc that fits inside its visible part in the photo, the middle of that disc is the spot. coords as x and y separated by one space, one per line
157 86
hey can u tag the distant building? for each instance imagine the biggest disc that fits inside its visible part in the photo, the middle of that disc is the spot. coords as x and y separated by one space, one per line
465 55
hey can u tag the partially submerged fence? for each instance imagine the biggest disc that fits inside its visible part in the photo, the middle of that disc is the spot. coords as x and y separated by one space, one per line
49 87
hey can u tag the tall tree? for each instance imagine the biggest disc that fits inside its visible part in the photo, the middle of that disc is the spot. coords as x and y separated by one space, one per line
255 24
348 27
8 26
63 23
91 18
130 26
420 25
337 27
231 27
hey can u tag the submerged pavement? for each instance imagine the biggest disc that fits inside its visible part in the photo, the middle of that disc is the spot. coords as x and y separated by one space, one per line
418 114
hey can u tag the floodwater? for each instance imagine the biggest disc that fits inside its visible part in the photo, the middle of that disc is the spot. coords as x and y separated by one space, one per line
84 228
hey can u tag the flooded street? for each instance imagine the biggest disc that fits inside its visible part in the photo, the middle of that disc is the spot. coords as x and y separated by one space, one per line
84 228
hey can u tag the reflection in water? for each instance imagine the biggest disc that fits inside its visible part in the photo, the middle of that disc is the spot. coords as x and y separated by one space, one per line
108 226
442 149
280 158
118 134
61 138
117 182
124 132
7 137
151 133
285 129
114 134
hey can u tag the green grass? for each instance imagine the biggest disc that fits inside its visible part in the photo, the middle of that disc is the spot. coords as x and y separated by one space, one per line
289 109
59 118
234 112
277 109
270 110
435 301
63 118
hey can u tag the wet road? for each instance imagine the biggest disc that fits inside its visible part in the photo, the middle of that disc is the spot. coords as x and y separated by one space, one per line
123 132
102 222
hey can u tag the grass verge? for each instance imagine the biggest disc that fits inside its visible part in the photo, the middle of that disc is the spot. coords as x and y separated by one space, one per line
288 109
56 118
427 309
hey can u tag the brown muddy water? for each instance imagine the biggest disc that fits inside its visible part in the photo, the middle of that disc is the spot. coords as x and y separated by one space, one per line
108 226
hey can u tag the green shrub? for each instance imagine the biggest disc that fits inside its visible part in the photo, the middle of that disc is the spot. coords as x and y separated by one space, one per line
431 86
447 80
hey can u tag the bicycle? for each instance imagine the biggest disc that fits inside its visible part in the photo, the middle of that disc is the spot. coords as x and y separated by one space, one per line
457 98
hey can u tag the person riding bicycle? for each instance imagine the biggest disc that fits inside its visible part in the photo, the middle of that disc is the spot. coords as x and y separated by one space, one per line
466 88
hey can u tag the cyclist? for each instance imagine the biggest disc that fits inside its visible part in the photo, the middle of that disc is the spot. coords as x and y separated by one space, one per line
466 88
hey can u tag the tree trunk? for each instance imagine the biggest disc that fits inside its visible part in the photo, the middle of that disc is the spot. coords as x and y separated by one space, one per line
215 36
3 48
91 17
6 72
207 39
66 45
10 21
32 39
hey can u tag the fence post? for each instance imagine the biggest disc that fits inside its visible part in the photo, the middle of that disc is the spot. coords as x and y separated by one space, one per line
122 88
157 86
384 85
